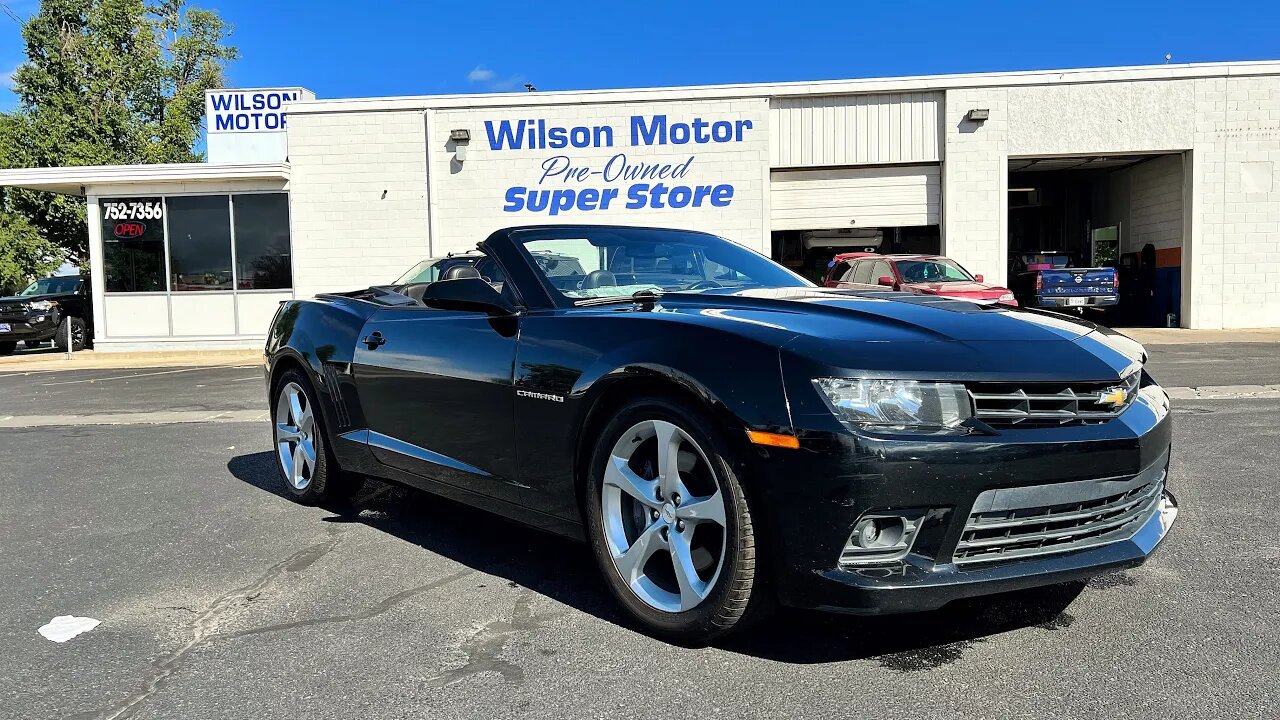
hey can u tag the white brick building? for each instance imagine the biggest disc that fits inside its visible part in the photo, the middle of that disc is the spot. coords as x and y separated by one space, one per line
1169 172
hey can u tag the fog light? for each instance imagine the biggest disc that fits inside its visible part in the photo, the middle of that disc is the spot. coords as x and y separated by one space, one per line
881 538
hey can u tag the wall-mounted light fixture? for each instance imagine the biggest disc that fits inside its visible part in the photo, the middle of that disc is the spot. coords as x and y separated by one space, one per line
978 115
460 138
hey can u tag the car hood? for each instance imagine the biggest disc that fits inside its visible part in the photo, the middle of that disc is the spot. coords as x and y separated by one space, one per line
884 332
33 298
970 289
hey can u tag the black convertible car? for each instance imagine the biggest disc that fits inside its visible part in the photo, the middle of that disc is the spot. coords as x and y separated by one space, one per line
726 435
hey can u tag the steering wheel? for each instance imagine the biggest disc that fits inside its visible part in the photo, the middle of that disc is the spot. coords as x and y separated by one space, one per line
704 285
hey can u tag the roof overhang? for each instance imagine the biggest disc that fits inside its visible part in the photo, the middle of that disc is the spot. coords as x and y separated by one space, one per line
74 180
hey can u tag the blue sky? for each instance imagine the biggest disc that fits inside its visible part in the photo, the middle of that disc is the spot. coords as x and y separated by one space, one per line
399 47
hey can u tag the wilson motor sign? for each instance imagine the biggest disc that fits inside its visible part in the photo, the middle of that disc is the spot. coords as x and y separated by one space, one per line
249 125
698 165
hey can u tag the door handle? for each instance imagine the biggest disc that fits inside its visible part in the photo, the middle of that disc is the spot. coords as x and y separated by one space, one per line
373 340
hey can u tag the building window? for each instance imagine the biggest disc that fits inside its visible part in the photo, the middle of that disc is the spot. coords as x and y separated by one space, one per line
199 243
133 244
262 242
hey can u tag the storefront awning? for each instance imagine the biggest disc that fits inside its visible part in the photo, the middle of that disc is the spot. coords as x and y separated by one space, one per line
74 180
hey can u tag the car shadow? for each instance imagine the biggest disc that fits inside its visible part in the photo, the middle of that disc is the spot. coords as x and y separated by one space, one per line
564 570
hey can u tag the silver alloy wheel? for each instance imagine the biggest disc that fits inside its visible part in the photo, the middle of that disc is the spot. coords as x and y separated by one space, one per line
295 436
645 517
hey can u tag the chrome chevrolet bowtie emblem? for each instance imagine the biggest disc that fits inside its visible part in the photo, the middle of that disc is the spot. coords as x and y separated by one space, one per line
1115 397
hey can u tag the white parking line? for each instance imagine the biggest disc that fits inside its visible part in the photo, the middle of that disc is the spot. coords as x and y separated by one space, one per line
124 377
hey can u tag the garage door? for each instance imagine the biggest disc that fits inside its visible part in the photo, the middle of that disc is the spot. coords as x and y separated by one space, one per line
883 196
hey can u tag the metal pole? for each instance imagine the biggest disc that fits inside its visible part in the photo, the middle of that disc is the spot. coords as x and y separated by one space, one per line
69 347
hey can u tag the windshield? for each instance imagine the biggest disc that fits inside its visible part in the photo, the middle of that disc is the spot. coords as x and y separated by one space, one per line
915 271
583 263
53 286
431 269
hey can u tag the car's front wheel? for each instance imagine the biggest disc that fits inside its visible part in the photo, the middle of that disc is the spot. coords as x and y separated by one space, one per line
310 474
74 327
669 522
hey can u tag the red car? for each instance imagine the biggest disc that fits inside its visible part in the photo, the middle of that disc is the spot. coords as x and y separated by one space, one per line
919 274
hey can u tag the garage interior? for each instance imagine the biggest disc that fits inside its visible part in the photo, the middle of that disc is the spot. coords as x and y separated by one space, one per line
1121 211
816 214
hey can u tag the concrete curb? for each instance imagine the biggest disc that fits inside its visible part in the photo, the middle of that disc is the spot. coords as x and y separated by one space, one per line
90 360
1181 336
1223 392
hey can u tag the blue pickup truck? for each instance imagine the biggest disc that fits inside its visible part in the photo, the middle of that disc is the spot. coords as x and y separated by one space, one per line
1047 280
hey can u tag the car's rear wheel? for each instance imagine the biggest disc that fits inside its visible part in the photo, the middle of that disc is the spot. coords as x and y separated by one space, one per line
669 522
302 455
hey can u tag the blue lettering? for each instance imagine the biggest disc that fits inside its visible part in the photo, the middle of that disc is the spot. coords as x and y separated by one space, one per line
506 137
722 195
258 103
221 102
580 137
223 122
635 196
679 196
609 195
538 200
721 131
515 199
556 138
655 133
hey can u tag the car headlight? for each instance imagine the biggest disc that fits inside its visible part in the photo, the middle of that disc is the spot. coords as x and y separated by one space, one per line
904 405
43 305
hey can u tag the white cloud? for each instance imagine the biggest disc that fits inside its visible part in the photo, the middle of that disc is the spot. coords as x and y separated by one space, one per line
492 82
480 74
8 77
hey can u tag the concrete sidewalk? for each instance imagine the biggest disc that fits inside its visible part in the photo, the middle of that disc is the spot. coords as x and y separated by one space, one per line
90 360
1182 336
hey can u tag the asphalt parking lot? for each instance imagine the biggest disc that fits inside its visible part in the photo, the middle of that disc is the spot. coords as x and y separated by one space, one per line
220 598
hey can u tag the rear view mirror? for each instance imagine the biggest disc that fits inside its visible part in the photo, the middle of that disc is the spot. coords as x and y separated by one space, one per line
471 294
885 281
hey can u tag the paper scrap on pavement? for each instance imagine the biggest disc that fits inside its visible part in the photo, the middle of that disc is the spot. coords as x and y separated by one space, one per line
65 627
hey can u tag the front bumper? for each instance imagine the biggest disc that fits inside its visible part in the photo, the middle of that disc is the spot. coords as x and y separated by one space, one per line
846 476
34 325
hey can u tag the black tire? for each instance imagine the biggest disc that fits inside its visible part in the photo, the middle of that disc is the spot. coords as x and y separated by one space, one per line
77 328
328 483
34 343
739 596
7 348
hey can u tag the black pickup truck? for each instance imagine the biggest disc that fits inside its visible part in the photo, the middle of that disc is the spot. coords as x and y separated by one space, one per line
46 310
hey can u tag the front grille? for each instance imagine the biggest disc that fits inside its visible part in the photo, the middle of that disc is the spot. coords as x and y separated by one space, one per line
1029 405
14 310
1013 533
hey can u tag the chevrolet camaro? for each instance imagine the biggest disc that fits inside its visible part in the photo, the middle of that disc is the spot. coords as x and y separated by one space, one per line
726 436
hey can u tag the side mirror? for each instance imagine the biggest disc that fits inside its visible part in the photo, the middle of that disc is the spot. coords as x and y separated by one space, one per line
885 281
469 294
978 277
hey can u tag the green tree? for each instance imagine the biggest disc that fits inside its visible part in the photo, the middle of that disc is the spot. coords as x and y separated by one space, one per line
24 255
107 82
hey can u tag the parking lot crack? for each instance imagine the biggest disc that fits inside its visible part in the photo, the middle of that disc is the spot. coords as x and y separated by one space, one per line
374 611
485 643
204 627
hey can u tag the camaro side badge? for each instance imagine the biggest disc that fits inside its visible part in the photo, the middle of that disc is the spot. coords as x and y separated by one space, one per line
540 396
1115 397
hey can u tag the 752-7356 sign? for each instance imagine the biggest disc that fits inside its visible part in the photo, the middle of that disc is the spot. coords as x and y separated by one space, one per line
132 210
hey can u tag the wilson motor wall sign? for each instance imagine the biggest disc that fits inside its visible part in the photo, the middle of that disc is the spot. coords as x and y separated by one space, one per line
700 165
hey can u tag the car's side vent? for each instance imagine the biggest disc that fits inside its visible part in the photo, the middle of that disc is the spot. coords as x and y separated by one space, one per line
341 414
1032 405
